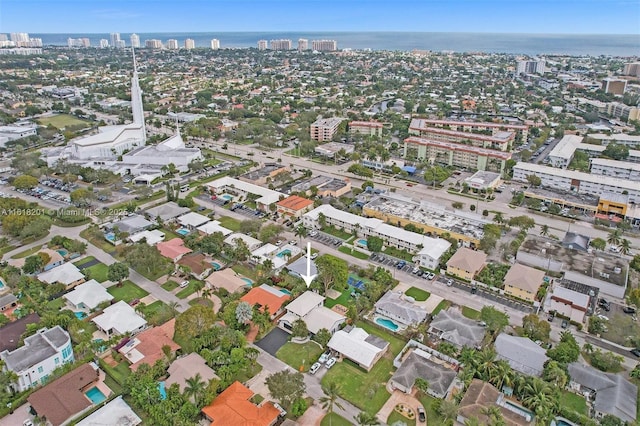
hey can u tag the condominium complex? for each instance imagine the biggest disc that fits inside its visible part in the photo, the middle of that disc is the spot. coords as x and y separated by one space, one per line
104 43
530 67
303 44
521 130
577 182
280 44
620 138
172 44
369 128
500 140
153 44
456 154
114 38
135 40
262 44
189 44
632 69
562 154
616 86
623 112
215 44
78 42
617 169
324 45
323 129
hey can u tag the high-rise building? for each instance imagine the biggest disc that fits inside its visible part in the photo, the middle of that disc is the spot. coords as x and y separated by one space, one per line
172 44
262 44
135 40
616 86
632 69
120 44
4 37
280 44
78 42
530 67
104 43
323 129
35 42
114 38
215 44
303 44
153 44
324 45
189 44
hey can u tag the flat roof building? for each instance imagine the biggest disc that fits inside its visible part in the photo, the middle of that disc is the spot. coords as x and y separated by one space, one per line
367 128
323 129
562 154
330 149
468 126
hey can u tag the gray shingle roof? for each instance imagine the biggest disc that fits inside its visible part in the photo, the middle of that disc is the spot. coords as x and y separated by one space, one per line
393 305
455 328
521 353
414 366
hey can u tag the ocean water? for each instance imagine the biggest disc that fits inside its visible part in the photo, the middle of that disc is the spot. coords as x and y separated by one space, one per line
530 44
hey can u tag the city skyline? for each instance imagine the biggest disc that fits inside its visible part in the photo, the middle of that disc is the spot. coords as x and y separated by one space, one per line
489 16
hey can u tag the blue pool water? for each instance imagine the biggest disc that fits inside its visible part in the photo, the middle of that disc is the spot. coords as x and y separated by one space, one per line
163 391
285 291
95 395
247 280
62 252
387 323
284 253
110 236
561 421
183 231
227 197
1 284
80 315
362 242
216 266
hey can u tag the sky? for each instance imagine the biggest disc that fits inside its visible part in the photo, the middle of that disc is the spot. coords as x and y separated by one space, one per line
489 16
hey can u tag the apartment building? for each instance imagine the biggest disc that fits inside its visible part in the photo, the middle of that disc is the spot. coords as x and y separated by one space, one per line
114 39
456 154
616 86
215 44
367 128
78 42
283 44
303 44
619 138
623 112
632 69
617 169
41 353
530 67
500 140
562 154
323 129
521 130
189 44
578 182
135 40
172 44
153 44
324 45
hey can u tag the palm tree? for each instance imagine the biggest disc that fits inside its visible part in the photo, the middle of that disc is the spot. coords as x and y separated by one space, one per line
330 399
447 409
541 398
614 237
498 218
587 347
502 374
554 373
625 246
300 232
198 286
195 387
494 414
486 362
366 419
544 231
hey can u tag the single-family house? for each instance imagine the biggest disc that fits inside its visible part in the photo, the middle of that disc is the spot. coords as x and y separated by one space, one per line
309 307
10 333
451 326
67 274
298 267
132 224
294 206
192 220
166 212
357 345
575 241
481 396
147 346
186 367
55 259
233 407
198 264
65 398
212 227
431 252
87 296
267 298
396 307
173 249
611 393
522 354
41 353
7 302
118 409
229 280
523 282
569 303
252 243
466 263
418 364
152 237
119 319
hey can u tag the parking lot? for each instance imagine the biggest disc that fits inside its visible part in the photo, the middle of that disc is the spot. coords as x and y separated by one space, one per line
486 294
393 262
326 239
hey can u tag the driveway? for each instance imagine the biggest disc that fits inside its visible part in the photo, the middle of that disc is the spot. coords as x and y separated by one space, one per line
273 341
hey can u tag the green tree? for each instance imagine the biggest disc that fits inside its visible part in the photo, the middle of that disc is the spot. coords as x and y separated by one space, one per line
25 182
494 319
554 373
301 232
535 328
244 313
523 222
448 410
195 388
365 418
534 180
299 328
374 244
616 151
566 351
422 385
81 196
33 264
614 237
285 386
117 272
332 270
194 322
598 244
330 400
322 337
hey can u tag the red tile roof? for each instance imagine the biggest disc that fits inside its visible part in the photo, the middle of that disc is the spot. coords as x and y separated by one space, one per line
152 341
295 203
233 408
173 248
262 297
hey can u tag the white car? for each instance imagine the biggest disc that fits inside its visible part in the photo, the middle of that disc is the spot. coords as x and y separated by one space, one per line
314 255
324 357
331 362
314 368
278 243
183 284
313 233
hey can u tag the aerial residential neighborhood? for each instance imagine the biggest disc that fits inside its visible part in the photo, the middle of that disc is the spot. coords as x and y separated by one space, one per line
293 233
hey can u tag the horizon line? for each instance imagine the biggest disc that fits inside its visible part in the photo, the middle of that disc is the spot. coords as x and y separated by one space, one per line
325 31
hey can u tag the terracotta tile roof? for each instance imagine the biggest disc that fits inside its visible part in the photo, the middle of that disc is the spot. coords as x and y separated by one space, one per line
10 333
467 260
524 278
152 341
196 262
233 408
294 202
63 397
262 297
173 248
481 395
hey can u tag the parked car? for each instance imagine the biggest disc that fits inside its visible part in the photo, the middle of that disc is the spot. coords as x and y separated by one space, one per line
331 362
431 276
449 282
313 233
278 243
565 324
422 416
314 368
474 290
184 283
636 352
629 310
324 357
314 255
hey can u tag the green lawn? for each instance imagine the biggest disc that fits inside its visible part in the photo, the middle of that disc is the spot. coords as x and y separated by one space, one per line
395 417
400 254
245 271
364 390
187 291
343 300
336 232
355 253
432 416
97 272
154 308
334 420
574 402
56 304
229 223
61 121
395 343
27 253
84 261
299 355
470 313
418 294
442 305
127 292
169 285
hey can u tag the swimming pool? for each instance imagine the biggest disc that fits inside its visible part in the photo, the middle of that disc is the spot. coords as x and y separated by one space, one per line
163 390
247 280
561 421
283 253
387 323
216 266
285 291
80 315
1 284
227 197
62 252
95 395
110 236
183 231
362 242
518 409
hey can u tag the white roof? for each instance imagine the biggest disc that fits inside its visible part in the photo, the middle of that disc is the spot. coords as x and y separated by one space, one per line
566 147
66 274
115 413
250 241
304 303
91 294
151 237
193 219
264 251
213 227
121 317
321 317
267 196
606 162
620 137
434 247
353 346
346 217
576 298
